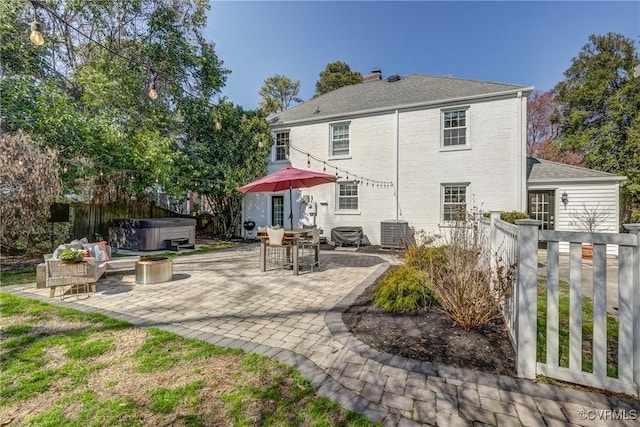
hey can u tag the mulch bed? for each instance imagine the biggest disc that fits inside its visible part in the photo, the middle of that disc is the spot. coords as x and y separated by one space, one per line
431 336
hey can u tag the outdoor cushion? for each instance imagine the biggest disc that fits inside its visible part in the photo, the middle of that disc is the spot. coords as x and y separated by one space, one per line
99 250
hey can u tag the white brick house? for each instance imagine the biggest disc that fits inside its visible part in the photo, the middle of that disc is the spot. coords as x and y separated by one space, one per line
409 148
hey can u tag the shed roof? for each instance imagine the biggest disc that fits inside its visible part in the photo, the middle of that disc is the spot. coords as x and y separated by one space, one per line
408 91
539 171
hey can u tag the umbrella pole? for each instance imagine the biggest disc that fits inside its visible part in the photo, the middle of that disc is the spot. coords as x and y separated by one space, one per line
290 206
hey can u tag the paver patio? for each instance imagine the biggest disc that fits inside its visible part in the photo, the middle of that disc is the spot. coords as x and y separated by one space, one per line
223 298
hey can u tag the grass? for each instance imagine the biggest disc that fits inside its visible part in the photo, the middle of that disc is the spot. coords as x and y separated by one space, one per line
587 330
82 369
18 277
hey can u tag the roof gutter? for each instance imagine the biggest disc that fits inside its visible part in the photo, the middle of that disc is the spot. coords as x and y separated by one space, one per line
576 180
413 106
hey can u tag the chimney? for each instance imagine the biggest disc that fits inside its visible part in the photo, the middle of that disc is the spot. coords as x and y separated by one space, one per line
376 74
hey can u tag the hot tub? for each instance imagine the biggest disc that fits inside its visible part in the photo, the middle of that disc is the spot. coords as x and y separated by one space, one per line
151 234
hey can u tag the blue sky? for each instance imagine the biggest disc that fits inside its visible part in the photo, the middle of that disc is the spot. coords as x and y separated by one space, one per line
529 43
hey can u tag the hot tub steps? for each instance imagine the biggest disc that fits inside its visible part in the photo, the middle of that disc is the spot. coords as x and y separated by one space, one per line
177 244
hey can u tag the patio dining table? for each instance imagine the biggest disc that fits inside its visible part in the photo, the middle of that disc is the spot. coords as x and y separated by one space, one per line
291 237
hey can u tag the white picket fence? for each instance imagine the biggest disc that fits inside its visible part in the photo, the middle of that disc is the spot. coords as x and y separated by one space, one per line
520 244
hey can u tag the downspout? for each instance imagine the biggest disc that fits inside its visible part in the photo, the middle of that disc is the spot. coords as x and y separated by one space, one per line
397 141
521 159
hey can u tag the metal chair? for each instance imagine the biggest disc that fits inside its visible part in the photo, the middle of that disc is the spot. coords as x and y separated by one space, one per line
308 249
277 250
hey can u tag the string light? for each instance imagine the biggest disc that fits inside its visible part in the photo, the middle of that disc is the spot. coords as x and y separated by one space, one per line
36 33
37 38
360 179
153 93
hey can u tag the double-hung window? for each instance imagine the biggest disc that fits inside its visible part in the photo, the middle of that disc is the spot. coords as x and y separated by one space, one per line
454 201
347 196
340 139
454 128
282 146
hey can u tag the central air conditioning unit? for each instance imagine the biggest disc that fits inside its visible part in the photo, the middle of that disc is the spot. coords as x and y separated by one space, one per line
394 234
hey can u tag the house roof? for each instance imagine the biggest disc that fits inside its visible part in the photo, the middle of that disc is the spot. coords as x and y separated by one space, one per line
545 171
409 91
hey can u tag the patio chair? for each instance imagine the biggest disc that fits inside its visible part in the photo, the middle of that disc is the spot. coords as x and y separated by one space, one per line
308 247
277 250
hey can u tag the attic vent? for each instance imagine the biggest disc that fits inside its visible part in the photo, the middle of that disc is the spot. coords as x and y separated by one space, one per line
393 78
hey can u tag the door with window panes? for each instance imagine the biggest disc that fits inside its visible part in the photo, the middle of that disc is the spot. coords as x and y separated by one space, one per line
542 208
277 210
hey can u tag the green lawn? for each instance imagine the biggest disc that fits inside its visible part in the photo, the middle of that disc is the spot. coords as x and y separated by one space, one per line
62 367
587 330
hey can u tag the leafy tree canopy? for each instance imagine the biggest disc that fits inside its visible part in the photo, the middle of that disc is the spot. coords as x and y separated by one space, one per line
334 76
278 92
84 92
599 104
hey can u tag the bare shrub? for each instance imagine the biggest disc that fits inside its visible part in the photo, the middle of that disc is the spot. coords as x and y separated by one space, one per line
466 288
590 219
29 183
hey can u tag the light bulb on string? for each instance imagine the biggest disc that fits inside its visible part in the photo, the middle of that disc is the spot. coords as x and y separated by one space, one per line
36 33
260 143
308 161
218 123
153 93
324 167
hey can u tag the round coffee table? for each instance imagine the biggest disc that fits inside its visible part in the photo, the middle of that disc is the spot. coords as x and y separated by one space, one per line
154 270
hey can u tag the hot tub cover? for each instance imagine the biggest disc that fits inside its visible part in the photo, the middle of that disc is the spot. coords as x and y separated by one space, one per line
152 222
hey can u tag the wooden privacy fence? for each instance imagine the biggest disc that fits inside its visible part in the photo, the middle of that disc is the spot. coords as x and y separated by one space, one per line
89 220
521 314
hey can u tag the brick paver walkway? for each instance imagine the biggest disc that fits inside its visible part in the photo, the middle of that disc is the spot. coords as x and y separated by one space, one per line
223 298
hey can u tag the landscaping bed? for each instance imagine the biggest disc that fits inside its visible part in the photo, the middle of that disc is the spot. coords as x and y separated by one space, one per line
431 336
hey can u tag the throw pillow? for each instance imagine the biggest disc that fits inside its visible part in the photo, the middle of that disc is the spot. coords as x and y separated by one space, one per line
77 244
59 249
98 250
103 248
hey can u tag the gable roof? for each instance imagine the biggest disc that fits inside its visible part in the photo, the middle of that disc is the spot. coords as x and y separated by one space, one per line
545 171
409 91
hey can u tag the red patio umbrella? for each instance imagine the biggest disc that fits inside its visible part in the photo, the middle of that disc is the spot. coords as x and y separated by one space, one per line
288 178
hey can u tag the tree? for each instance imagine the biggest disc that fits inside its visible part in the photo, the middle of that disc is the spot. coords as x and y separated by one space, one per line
336 75
227 158
599 104
543 127
28 185
278 92
87 98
